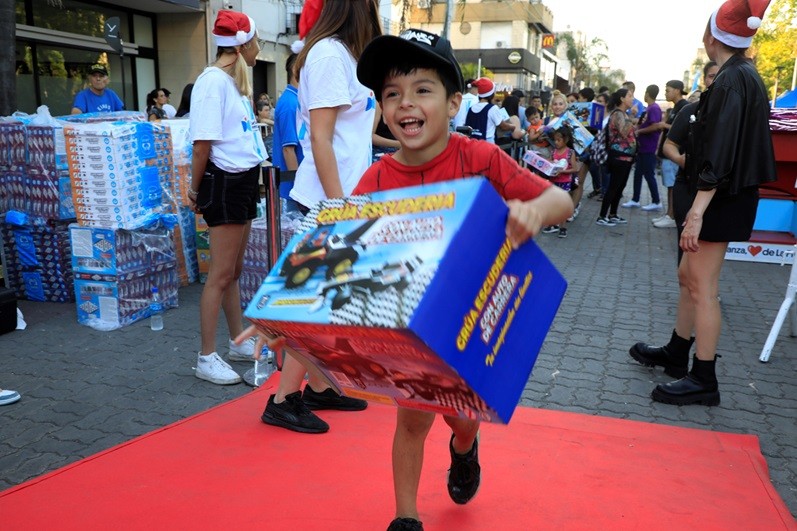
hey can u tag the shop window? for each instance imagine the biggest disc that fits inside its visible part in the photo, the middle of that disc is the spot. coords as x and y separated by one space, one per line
26 88
77 17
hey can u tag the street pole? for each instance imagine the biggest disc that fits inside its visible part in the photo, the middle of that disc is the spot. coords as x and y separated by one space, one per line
447 21
8 78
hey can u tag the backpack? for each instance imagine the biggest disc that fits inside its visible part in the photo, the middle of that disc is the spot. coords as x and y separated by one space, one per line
599 147
478 122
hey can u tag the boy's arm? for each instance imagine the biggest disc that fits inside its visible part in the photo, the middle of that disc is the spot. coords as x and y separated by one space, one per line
526 218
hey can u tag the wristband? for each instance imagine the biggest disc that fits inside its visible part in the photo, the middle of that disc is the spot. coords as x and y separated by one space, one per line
192 193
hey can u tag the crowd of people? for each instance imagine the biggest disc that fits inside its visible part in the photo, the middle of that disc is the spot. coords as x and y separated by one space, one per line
364 112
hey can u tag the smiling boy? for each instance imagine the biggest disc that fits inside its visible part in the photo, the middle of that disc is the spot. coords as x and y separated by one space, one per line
419 85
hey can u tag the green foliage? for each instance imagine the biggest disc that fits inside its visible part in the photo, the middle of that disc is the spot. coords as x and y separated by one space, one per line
775 45
469 71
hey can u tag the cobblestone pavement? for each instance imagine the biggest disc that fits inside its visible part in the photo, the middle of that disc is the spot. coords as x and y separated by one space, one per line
84 391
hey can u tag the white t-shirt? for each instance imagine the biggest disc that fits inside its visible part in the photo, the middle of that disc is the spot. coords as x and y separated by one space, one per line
220 113
494 118
468 101
170 111
329 79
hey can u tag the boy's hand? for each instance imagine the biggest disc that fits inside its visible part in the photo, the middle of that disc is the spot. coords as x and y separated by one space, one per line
523 223
274 343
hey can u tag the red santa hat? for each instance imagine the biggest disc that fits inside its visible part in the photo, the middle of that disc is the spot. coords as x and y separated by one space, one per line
736 21
310 13
233 28
485 86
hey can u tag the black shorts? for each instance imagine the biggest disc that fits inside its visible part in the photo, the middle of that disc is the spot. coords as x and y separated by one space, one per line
728 218
228 198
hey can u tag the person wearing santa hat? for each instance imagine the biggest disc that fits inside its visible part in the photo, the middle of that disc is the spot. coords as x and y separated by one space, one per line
338 114
484 117
227 153
728 155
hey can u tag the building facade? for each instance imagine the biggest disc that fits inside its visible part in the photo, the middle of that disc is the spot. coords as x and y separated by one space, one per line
167 43
502 36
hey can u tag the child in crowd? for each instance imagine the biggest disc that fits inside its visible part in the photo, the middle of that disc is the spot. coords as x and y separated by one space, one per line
536 139
562 139
418 82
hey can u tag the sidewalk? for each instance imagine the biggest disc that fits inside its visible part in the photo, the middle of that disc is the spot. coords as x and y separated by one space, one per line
84 391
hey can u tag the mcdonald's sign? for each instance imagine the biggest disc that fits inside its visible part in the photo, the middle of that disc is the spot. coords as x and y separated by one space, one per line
548 40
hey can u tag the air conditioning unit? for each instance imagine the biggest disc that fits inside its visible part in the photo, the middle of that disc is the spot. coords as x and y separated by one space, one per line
424 4
500 44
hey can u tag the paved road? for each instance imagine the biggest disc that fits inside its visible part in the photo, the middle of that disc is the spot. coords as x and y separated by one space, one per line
84 390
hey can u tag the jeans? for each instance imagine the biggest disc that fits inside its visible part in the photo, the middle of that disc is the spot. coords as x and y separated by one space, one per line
646 167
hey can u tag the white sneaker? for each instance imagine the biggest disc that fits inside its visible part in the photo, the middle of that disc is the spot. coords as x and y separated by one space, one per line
665 223
243 352
215 370
7 396
630 204
652 206
659 218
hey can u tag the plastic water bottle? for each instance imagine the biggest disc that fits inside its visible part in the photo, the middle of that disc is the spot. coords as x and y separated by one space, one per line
156 310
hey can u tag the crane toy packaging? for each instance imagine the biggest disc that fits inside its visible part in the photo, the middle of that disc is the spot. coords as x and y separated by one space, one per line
414 297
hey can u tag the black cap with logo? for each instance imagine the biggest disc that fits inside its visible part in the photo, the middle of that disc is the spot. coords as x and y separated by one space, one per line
375 62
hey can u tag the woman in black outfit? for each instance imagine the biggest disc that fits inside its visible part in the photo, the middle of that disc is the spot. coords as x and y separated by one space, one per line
728 155
621 140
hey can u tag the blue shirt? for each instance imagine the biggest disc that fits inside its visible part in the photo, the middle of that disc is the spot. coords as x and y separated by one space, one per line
87 101
639 105
286 115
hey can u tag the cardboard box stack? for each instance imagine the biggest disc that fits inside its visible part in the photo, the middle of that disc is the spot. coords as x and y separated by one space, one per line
115 270
37 257
37 203
115 181
256 264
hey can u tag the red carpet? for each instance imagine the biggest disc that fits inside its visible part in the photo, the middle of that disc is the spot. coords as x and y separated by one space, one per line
547 470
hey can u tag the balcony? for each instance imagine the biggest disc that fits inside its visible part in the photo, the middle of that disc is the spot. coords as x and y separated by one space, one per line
532 12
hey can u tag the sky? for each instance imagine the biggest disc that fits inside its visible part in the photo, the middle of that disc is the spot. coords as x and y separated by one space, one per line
652 41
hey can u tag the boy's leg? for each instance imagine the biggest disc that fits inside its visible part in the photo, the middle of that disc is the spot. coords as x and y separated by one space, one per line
464 476
412 427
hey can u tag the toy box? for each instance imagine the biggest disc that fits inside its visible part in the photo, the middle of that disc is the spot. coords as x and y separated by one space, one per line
414 297
589 113
116 252
543 165
108 302
581 137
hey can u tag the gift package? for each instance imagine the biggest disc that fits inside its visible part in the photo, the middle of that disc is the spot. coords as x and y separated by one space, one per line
414 297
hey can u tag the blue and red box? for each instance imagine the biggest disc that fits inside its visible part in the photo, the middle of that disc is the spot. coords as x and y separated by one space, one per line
414 297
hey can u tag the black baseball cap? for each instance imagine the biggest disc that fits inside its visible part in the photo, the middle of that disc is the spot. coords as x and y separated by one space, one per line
98 69
378 57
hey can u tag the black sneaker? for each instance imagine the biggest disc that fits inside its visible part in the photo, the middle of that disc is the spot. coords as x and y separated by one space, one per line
293 414
550 229
329 399
464 475
405 524
563 232
617 220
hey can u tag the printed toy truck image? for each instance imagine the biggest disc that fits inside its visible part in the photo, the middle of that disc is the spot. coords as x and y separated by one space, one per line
392 274
323 248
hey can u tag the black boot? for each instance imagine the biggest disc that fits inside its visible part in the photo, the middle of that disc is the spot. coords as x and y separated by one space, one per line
697 387
674 356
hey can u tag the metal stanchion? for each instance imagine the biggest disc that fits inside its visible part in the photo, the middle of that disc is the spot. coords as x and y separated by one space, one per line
265 366
789 306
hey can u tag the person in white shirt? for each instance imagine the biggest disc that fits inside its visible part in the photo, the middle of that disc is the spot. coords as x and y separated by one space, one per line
337 113
227 153
484 117
469 99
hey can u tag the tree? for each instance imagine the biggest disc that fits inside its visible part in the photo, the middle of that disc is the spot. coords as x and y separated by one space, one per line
775 45
586 58
469 71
